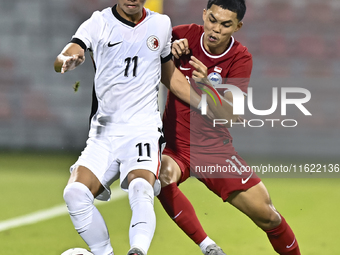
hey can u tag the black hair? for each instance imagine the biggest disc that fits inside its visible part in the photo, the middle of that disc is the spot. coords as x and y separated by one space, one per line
237 6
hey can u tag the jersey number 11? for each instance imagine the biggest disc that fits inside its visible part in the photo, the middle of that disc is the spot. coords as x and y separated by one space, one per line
135 62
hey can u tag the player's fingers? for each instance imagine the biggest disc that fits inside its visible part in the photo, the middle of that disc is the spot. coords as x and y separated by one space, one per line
198 63
175 53
184 45
196 74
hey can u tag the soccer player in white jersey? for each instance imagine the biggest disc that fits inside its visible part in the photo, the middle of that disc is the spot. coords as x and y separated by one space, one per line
130 48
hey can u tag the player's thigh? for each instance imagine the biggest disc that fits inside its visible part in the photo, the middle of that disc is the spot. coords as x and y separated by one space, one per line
175 166
170 171
85 176
142 173
97 167
223 172
139 155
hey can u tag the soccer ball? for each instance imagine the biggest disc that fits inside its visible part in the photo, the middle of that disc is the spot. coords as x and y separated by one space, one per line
77 251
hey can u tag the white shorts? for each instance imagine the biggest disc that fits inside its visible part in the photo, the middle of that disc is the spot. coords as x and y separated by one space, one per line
113 157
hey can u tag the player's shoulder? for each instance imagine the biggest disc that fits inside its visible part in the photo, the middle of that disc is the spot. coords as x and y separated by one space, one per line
157 16
240 50
188 28
189 31
100 16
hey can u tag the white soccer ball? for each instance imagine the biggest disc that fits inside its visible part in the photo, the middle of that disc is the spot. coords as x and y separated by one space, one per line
77 251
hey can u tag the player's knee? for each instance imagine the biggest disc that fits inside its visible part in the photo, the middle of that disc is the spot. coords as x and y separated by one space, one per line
140 190
268 219
169 174
77 196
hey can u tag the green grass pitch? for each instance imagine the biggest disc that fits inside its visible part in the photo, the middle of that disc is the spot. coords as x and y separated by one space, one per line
33 181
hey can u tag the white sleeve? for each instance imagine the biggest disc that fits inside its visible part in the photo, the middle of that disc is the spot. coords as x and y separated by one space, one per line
89 31
166 52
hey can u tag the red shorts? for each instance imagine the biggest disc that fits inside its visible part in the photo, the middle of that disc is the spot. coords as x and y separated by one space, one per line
223 171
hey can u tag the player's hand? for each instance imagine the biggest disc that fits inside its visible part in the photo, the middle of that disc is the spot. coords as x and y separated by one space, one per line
71 62
180 47
200 74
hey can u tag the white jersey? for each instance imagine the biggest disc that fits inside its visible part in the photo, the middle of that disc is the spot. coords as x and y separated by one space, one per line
127 60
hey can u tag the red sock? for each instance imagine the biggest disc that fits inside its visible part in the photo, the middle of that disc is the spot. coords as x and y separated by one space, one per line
283 239
182 212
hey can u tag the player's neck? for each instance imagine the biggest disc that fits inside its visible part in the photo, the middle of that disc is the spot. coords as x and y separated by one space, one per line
135 18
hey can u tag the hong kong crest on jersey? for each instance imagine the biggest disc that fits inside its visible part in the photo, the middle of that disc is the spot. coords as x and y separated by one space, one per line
153 43
215 78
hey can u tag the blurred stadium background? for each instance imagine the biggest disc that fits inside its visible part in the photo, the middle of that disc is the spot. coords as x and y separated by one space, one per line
295 43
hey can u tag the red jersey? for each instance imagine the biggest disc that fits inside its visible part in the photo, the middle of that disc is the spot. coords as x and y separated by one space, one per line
185 127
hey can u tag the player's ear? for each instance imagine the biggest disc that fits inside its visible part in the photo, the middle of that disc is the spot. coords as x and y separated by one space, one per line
239 25
204 14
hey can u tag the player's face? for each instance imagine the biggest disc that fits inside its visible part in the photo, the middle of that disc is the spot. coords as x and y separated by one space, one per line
131 10
219 25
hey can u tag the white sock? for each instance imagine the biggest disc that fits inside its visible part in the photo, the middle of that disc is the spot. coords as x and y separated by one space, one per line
143 221
86 218
205 243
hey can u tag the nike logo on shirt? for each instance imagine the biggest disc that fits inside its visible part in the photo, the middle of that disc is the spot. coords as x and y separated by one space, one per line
113 44
184 68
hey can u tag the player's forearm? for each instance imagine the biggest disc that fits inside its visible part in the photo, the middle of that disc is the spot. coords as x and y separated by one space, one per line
176 82
181 88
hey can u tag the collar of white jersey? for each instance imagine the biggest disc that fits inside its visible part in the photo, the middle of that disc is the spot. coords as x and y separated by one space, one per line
216 56
126 22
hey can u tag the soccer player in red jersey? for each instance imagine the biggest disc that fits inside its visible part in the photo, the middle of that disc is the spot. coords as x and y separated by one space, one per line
210 52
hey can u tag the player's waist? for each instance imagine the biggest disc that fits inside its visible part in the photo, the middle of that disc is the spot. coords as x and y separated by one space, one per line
99 127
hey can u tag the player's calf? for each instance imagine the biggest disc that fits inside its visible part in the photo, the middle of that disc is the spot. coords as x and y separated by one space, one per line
143 221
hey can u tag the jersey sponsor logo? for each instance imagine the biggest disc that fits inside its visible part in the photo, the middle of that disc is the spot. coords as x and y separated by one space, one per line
215 78
113 44
138 223
184 68
244 181
153 43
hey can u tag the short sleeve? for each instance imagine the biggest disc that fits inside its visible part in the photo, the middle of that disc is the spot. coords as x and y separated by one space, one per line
88 32
166 52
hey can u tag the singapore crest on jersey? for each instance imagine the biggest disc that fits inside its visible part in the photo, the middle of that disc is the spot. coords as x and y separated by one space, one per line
215 78
153 43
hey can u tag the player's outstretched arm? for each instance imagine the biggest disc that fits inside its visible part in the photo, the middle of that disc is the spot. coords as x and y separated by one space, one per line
176 82
71 56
